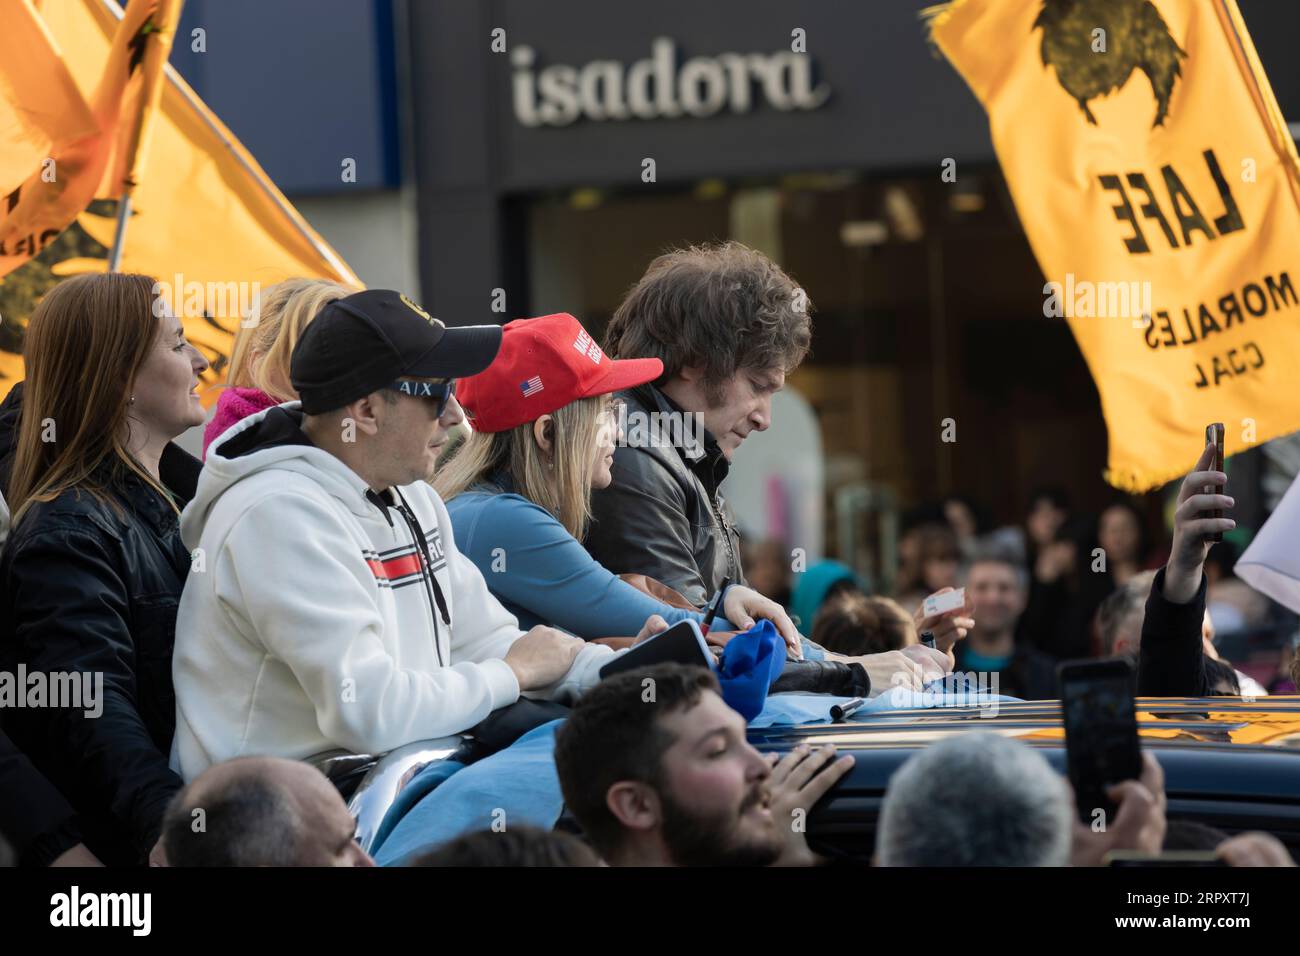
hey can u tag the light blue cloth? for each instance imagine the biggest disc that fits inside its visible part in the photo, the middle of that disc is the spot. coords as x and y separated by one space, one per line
416 789
520 785
811 651
516 785
790 709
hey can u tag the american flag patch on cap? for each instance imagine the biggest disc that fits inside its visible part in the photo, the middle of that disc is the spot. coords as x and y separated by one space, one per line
531 387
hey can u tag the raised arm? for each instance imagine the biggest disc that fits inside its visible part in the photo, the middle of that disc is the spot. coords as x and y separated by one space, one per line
1171 662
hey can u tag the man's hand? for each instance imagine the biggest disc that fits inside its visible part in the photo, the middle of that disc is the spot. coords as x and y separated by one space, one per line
542 656
741 605
935 664
795 791
1139 824
949 627
889 670
1254 849
1187 556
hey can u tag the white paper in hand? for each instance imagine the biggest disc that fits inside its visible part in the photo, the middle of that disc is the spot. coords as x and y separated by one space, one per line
941 603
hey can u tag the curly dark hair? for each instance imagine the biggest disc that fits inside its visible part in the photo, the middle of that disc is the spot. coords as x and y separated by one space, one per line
720 307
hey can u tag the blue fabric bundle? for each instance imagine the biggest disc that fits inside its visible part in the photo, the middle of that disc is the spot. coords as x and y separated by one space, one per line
750 663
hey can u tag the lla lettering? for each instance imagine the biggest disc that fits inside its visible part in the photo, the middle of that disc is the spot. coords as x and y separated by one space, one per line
1180 217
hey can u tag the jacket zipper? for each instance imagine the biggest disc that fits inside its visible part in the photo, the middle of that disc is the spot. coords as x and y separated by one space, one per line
733 567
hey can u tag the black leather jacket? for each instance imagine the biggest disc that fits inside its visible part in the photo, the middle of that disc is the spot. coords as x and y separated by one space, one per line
87 588
663 514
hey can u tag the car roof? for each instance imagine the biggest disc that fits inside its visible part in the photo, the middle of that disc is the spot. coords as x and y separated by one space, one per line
1165 722
1209 747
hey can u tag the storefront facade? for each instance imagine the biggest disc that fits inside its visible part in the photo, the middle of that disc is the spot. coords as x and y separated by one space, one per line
561 146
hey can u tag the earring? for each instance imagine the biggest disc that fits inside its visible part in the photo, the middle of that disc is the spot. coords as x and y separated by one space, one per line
132 401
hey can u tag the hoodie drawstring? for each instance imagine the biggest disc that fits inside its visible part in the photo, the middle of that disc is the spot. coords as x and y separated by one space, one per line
432 588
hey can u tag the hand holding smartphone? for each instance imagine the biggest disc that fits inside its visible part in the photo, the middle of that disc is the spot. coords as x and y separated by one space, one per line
1101 738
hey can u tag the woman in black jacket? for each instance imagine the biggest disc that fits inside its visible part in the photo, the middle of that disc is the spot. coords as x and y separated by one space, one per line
92 572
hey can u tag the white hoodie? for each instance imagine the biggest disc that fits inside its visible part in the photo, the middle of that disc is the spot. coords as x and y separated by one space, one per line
307 624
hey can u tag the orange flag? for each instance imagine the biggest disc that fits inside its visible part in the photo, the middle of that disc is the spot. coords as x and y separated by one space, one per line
1160 190
132 144
62 185
205 220
40 104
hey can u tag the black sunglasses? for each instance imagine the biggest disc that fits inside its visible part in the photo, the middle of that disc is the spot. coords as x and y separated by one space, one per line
439 393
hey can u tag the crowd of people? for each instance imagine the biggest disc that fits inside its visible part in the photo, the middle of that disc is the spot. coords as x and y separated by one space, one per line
350 569
1062 586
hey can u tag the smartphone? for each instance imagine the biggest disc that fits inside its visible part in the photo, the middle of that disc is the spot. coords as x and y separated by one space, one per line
1214 436
681 644
1101 739
1164 858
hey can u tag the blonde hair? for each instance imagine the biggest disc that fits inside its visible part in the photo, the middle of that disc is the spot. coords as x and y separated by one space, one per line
564 490
260 357
85 344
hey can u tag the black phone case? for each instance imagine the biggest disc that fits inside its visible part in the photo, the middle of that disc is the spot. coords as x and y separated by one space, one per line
1099 736
677 645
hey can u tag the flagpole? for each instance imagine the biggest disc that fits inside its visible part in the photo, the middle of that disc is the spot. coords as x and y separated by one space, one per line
257 175
119 237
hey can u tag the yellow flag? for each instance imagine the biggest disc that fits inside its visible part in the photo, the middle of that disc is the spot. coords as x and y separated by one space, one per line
1160 191
206 221
57 190
41 107
41 111
127 166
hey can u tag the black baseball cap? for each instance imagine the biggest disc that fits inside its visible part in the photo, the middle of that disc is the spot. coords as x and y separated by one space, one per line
368 340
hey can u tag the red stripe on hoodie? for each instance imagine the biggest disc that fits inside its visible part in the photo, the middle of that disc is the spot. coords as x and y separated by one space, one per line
395 567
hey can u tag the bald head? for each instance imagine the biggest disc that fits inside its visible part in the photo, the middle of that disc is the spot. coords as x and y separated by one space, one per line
261 811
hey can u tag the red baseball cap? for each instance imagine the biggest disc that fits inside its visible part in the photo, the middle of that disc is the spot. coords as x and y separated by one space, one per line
544 364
